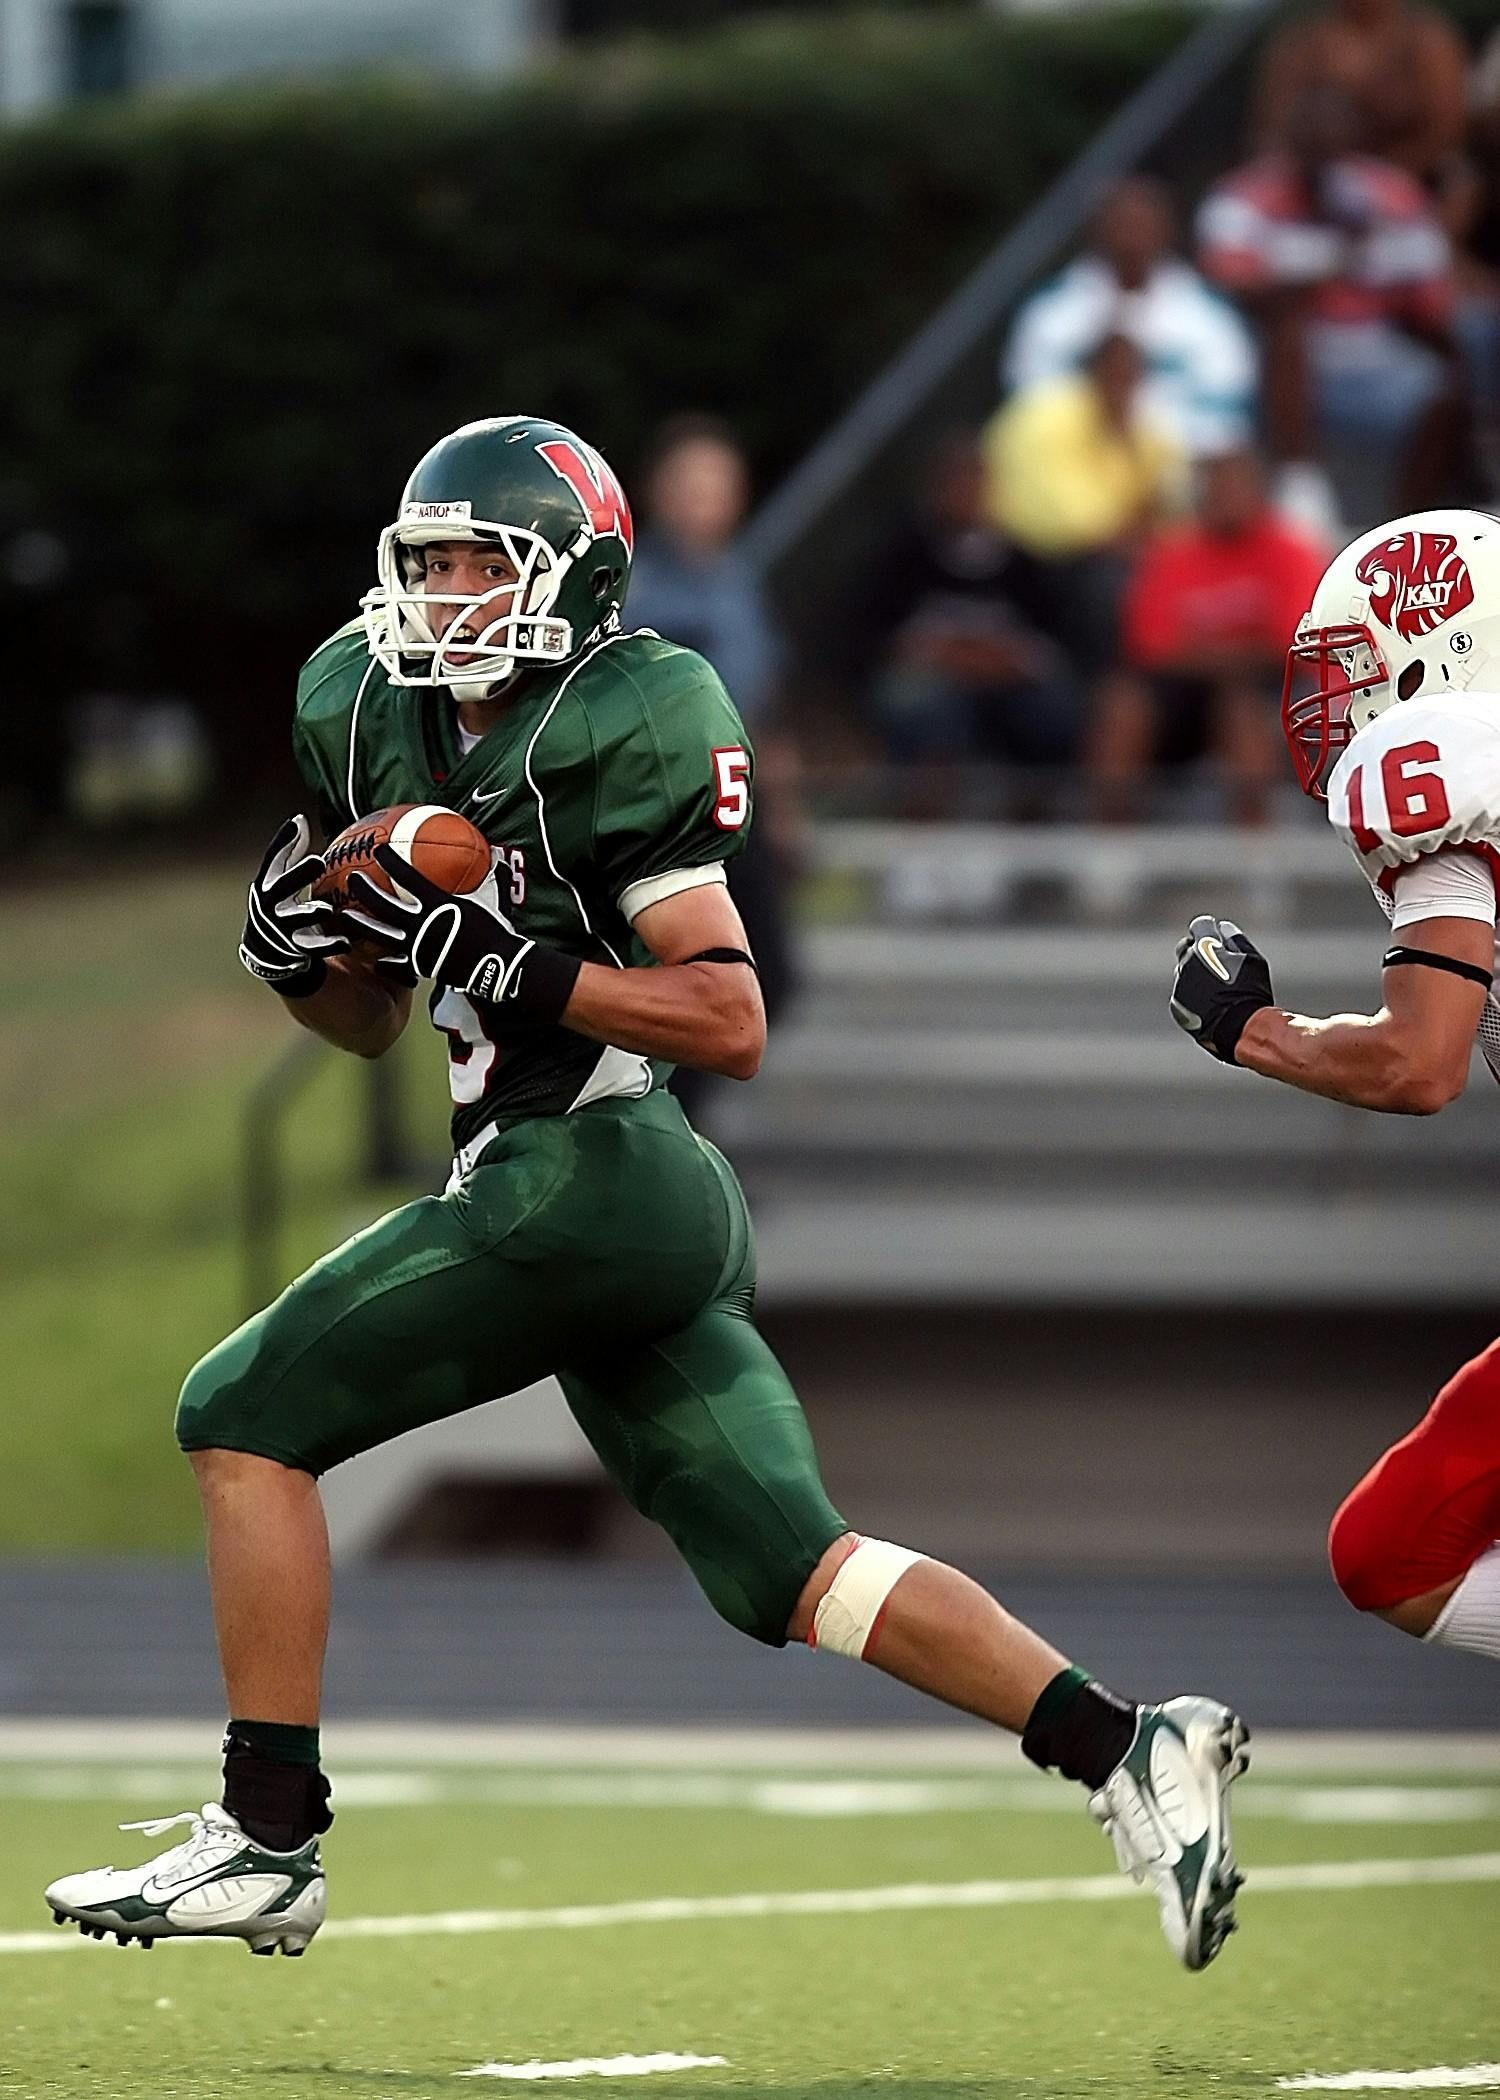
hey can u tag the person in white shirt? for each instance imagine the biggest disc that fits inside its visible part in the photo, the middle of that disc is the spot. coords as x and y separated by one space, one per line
1200 358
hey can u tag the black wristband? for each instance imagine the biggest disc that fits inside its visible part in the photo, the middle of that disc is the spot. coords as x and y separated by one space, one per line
723 955
1231 1024
304 984
1397 958
543 985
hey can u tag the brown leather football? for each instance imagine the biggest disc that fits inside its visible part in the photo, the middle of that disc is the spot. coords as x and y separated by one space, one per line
438 842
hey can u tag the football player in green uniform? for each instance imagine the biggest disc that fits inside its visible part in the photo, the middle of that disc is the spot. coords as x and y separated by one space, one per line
586 1229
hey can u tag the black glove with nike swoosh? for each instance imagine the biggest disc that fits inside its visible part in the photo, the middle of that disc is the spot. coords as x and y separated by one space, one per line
459 941
288 937
1222 979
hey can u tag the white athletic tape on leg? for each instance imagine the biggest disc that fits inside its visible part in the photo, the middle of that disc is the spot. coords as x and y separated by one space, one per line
1471 1617
847 1616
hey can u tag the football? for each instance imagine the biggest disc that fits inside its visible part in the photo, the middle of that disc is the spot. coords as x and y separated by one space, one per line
439 843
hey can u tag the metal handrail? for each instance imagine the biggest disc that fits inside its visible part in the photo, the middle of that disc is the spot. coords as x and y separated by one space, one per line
260 1217
386 1154
955 330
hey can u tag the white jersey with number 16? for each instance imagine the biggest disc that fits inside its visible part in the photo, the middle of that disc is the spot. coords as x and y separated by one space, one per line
1416 797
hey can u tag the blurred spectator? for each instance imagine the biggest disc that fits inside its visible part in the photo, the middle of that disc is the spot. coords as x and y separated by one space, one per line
1402 68
1199 355
1208 614
1077 469
968 671
1472 209
1080 463
1464 205
1484 101
689 582
1348 274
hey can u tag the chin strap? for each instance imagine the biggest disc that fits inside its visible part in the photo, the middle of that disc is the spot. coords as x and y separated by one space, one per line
1398 958
471 689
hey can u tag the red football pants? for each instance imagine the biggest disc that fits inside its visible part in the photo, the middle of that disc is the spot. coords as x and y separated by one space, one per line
1425 1511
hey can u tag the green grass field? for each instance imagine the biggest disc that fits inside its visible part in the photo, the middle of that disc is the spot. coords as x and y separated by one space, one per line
129 1040
449 1951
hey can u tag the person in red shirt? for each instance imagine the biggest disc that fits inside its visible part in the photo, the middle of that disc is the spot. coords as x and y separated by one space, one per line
1207 615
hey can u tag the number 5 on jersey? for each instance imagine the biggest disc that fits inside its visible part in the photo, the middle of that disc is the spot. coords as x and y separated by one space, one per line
731 786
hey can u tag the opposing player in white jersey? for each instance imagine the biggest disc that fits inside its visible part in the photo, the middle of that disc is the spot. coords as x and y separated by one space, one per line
1400 734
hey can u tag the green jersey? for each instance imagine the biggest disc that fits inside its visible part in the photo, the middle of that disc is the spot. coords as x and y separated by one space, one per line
605 786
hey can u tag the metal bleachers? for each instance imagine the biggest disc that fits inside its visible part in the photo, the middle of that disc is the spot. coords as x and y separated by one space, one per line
1005 1112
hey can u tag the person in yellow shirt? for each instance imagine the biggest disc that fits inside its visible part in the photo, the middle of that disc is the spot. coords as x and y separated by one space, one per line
1077 472
1075 465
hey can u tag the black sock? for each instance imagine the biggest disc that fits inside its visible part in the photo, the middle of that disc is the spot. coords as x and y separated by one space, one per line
1079 1728
273 1786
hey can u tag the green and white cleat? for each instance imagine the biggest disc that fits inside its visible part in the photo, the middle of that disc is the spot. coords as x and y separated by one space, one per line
218 1883
1166 1806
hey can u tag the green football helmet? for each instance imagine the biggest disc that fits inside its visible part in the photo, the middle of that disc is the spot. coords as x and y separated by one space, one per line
553 505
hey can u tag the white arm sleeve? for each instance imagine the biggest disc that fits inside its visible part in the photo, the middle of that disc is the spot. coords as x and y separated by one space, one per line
655 889
1444 886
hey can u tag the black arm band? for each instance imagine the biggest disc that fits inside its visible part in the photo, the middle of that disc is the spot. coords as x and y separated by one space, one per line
723 955
1396 958
545 985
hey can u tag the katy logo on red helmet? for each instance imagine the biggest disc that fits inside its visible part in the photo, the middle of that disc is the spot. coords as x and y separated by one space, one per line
592 481
1417 581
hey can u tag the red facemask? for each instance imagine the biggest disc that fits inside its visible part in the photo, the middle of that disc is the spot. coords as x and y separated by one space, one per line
1316 724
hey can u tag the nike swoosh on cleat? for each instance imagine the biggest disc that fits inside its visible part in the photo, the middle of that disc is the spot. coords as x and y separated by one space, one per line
228 1901
156 1890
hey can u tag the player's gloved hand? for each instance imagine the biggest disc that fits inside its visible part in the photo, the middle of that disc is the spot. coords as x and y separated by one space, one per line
1222 979
466 942
286 943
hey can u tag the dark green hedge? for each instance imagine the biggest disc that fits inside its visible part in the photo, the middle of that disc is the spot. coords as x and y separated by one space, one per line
231 324
616 17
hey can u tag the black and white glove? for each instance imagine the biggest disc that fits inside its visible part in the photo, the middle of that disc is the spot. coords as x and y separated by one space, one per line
465 942
1222 979
286 943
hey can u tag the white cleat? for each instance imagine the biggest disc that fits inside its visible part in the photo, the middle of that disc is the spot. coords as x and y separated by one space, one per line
218 1883
1166 1807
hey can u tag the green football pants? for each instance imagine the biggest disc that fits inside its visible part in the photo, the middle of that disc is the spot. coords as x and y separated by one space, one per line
611 1247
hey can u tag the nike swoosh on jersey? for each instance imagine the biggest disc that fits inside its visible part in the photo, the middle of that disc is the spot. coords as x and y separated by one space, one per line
493 796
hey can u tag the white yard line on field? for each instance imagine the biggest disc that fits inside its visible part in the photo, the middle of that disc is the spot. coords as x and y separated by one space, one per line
598 2067
824 1799
1441 2078
816 1903
972 1748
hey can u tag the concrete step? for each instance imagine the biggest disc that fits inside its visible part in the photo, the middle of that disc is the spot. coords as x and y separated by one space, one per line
878 1093
1303 852
1041 1250
1034 956
1149 874
862 977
